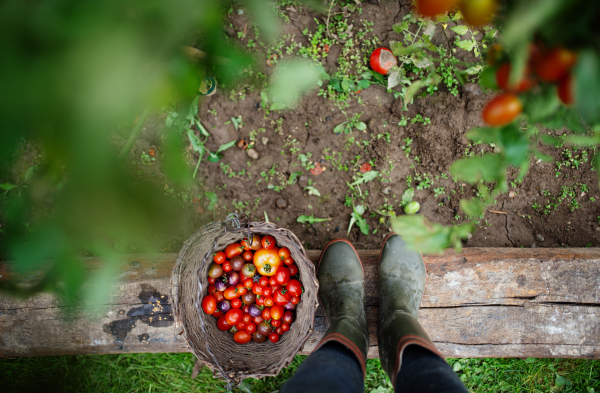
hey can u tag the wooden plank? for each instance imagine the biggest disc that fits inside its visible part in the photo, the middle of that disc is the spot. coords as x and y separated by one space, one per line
479 303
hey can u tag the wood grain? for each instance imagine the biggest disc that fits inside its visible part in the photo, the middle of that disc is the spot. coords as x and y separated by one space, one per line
479 303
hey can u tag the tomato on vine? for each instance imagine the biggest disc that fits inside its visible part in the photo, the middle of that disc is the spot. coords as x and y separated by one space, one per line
503 75
555 64
565 90
431 8
502 109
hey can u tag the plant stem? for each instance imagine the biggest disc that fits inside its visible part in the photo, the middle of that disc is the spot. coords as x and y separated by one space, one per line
135 133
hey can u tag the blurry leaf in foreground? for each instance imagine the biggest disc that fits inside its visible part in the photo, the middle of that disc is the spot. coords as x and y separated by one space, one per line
292 79
426 237
587 85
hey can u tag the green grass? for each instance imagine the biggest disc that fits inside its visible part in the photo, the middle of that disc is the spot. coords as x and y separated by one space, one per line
172 373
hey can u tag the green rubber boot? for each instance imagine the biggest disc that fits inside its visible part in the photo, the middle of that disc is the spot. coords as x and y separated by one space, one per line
401 286
342 294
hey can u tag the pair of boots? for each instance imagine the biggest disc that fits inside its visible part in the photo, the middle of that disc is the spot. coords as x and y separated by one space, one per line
401 285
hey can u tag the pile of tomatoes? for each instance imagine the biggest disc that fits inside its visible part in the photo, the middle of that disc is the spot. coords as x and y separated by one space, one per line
253 290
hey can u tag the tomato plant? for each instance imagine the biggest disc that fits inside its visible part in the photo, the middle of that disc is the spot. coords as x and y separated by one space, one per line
554 65
502 76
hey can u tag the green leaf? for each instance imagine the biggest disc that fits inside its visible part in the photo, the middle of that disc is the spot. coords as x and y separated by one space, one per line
484 134
361 126
265 18
339 128
400 27
197 144
541 105
363 84
293 177
312 191
8 186
212 199
225 146
360 221
583 140
292 79
472 207
193 110
201 128
214 157
550 140
460 29
561 381
417 85
29 172
587 85
399 50
365 177
311 219
541 156
474 70
487 78
423 236
488 167
467 45
525 17
407 196
515 145
596 163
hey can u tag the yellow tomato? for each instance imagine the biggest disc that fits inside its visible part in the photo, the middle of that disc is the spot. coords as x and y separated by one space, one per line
267 261
478 12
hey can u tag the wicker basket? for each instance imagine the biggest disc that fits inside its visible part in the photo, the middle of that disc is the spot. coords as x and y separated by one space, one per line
228 360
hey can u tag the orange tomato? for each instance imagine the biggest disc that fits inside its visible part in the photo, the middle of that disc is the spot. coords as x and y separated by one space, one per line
267 261
432 8
502 109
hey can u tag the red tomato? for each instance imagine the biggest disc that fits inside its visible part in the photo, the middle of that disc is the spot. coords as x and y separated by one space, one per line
274 337
282 276
211 280
295 299
366 167
503 74
227 267
268 242
266 292
260 301
248 255
257 289
264 281
478 12
502 109
382 60
236 303
294 288
293 270
266 314
242 337
246 318
222 323
276 322
246 309
257 320
231 293
285 327
219 257
288 261
250 327
217 314
284 252
279 331
234 249
288 317
240 326
555 64
248 283
218 295
209 304
565 90
274 288
272 281
211 289
269 301
255 243
234 316
282 298
277 312
432 8
241 289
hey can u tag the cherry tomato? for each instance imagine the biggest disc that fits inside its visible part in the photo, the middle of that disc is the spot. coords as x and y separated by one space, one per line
555 64
279 331
257 320
266 292
233 316
234 249
250 327
502 109
268 242
272 281
242 337
565 90
478 12
282 298
288 317
294 288
264 328
257 289
288 261
264 281
285 327
240 326
295 299
246 309
241 289
222 323
260 301
293 270
432 8
218 295
503 74
219 257
248 255
215 271
284 252
248 283
255 244
274 337
211 280
277 311
274 288
246 318
211 289
248 270
227 267
217 314
233 330
269 301
266 314
382 60
236 303
276 322
282 276
209 304
231 293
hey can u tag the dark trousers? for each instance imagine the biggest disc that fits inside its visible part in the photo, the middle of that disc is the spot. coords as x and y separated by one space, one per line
334 368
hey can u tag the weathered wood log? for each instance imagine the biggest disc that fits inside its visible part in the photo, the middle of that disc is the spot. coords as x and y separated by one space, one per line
478 303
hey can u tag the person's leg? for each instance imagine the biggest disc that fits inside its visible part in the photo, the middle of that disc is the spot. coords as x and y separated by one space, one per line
347 338
423 371
332 368
401 285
